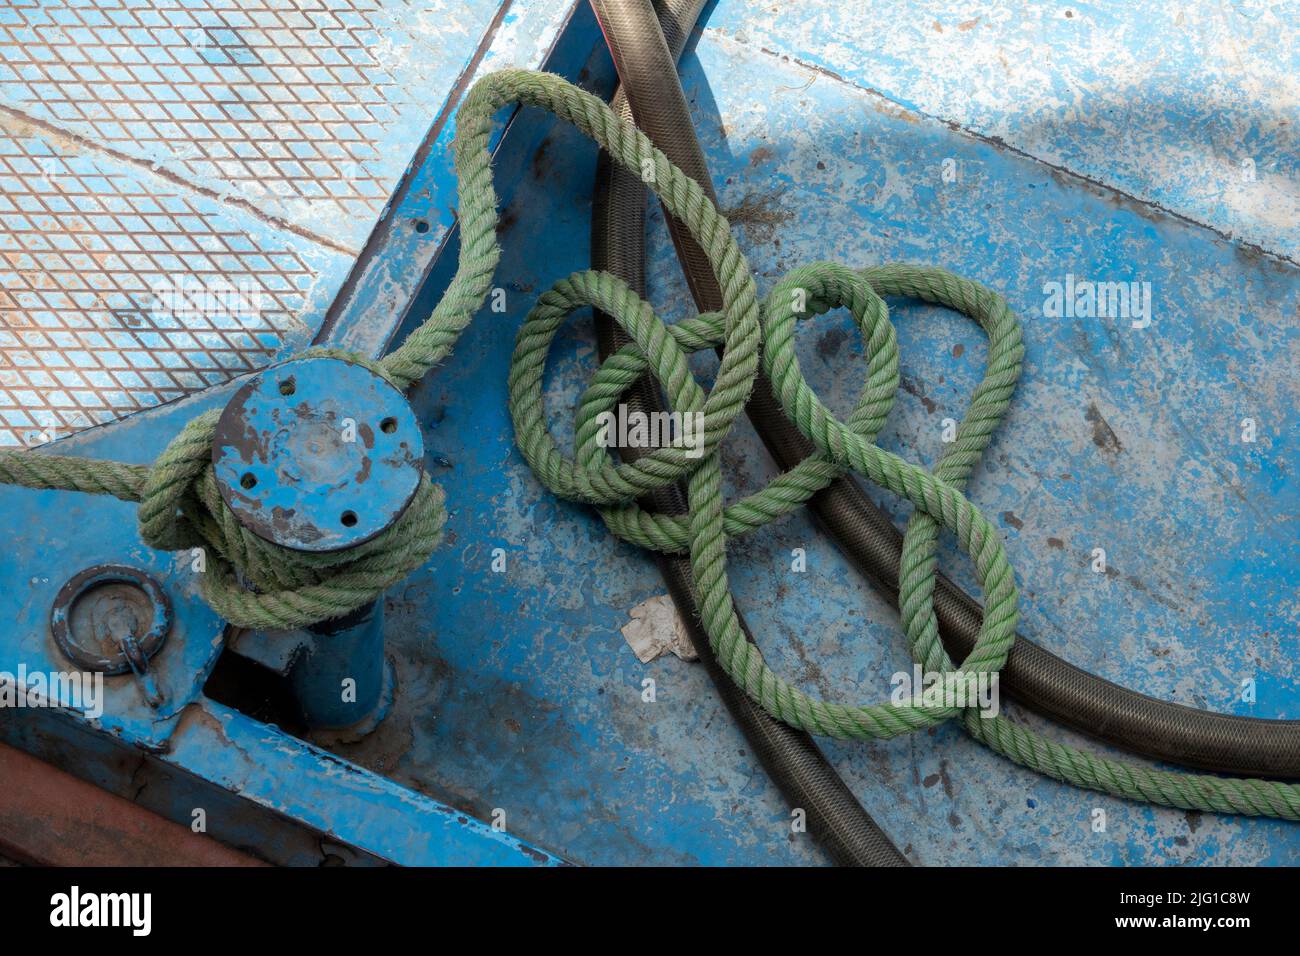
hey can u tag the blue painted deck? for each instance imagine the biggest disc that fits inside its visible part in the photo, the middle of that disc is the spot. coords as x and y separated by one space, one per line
1103 144
1120 438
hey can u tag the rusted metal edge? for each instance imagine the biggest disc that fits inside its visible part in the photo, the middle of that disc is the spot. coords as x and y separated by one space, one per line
50 818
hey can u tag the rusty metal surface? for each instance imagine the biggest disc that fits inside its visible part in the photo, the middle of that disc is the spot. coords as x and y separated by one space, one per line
517 691
51 818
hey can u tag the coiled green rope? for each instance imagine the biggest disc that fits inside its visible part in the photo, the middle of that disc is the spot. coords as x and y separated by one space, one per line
180 506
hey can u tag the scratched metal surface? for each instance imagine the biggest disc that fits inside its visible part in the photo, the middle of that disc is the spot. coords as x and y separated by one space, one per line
1190 107
185 184
517 692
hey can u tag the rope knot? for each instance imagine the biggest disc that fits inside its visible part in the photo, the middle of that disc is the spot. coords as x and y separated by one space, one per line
766 335
255 583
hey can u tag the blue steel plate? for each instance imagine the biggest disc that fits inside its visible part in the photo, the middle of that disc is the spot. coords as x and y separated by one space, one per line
520 695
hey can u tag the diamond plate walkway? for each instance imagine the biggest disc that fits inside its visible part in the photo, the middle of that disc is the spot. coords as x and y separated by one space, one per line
184 185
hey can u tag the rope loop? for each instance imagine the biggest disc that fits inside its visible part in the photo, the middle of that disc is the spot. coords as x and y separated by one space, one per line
601 482
254 583
662 351
250 582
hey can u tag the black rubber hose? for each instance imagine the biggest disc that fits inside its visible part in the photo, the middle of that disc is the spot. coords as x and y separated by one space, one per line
1034 676
791 757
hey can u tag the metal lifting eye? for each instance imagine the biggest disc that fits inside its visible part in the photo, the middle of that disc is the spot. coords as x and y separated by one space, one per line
110 617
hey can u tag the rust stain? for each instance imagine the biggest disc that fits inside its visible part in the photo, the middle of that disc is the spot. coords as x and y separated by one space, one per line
1103 436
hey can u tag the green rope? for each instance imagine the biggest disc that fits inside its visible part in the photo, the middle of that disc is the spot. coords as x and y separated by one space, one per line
180 506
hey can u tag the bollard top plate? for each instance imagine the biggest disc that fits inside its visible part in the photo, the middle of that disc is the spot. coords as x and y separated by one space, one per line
317 454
